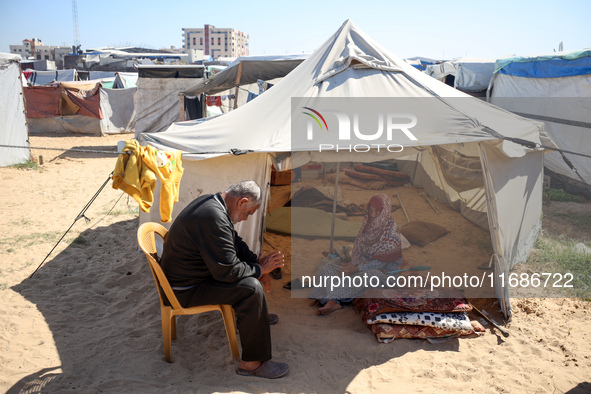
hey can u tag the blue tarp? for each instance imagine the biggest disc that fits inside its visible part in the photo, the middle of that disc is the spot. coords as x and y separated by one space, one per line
547 66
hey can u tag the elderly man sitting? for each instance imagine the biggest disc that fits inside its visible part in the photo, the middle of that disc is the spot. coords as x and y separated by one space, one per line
206 262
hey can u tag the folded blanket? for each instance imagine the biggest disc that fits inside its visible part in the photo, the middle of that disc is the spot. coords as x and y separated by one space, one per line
386 333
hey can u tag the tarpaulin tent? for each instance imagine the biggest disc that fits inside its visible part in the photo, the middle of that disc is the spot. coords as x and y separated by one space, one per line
237 82
472 74
508 195
157 97
247 70
554 88
420 63
125 80
12 113
80 107
38 78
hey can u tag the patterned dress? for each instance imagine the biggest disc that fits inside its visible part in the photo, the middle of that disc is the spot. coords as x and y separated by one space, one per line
377 251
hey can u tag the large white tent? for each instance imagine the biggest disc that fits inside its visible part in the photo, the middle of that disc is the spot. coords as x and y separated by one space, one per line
12 113
507 199
554 88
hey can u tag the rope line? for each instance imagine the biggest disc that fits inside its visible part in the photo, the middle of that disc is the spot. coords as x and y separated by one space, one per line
80 216
234 151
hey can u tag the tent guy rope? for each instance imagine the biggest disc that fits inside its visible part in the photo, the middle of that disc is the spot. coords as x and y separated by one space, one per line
80 216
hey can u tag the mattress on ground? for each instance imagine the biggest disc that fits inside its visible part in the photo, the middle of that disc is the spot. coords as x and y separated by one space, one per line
309 223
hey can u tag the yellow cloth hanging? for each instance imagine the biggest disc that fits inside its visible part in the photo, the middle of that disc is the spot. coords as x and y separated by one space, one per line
134 177
168 166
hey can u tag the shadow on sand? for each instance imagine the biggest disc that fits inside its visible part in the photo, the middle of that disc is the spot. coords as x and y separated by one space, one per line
99 300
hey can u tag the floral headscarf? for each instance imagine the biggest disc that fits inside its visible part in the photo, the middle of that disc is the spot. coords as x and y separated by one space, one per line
379 238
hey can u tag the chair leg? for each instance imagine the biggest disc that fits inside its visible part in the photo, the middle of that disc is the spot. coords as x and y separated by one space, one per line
230 324
173 327
167 319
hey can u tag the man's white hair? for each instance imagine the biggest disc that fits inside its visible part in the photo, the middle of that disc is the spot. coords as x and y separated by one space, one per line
248 189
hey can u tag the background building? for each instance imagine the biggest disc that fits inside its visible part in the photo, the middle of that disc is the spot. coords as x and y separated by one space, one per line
27 49
35 49
216 42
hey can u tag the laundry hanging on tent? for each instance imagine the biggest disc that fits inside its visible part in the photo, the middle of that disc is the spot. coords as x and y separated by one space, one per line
136 170
168 166
214 101
134 177
263 86
251 96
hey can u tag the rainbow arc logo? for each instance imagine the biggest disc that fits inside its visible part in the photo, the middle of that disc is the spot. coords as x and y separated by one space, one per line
316 118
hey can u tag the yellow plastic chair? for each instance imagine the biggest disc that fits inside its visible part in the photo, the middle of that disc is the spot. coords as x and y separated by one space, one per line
147 241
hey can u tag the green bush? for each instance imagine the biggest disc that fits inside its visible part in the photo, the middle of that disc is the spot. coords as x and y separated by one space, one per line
29 164
561 195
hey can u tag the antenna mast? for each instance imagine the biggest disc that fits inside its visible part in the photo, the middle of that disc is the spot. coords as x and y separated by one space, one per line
76 33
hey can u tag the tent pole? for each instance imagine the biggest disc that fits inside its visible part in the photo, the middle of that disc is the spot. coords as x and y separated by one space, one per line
334 206
181 107
238 75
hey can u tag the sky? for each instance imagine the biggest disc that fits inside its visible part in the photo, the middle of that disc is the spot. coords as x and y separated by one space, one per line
426 28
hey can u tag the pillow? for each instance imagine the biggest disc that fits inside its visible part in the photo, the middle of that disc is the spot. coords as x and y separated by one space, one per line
422 233
378 301
446 321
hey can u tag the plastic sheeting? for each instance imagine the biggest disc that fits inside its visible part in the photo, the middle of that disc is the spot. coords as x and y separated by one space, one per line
118 110
125 80
66 99
471 74
171 72
563 103
253 68
12 113
157 103
39 78
553 65
104 111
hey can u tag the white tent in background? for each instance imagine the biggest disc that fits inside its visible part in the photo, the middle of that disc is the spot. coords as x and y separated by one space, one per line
554 88
12 113
38 78
124 80
472 74
157 97
506 197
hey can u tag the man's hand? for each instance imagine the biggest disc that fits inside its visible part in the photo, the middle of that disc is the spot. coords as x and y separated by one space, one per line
271 261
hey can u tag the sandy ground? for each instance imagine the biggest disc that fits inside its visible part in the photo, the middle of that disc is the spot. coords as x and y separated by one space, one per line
88 319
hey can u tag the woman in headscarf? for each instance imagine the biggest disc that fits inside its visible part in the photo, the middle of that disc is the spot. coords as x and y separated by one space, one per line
377 251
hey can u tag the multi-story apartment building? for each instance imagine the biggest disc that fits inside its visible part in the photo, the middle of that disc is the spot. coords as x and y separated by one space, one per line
37 50
27 49
216 42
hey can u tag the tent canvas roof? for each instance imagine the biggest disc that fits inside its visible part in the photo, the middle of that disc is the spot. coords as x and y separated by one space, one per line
348 64
551 65
251 69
